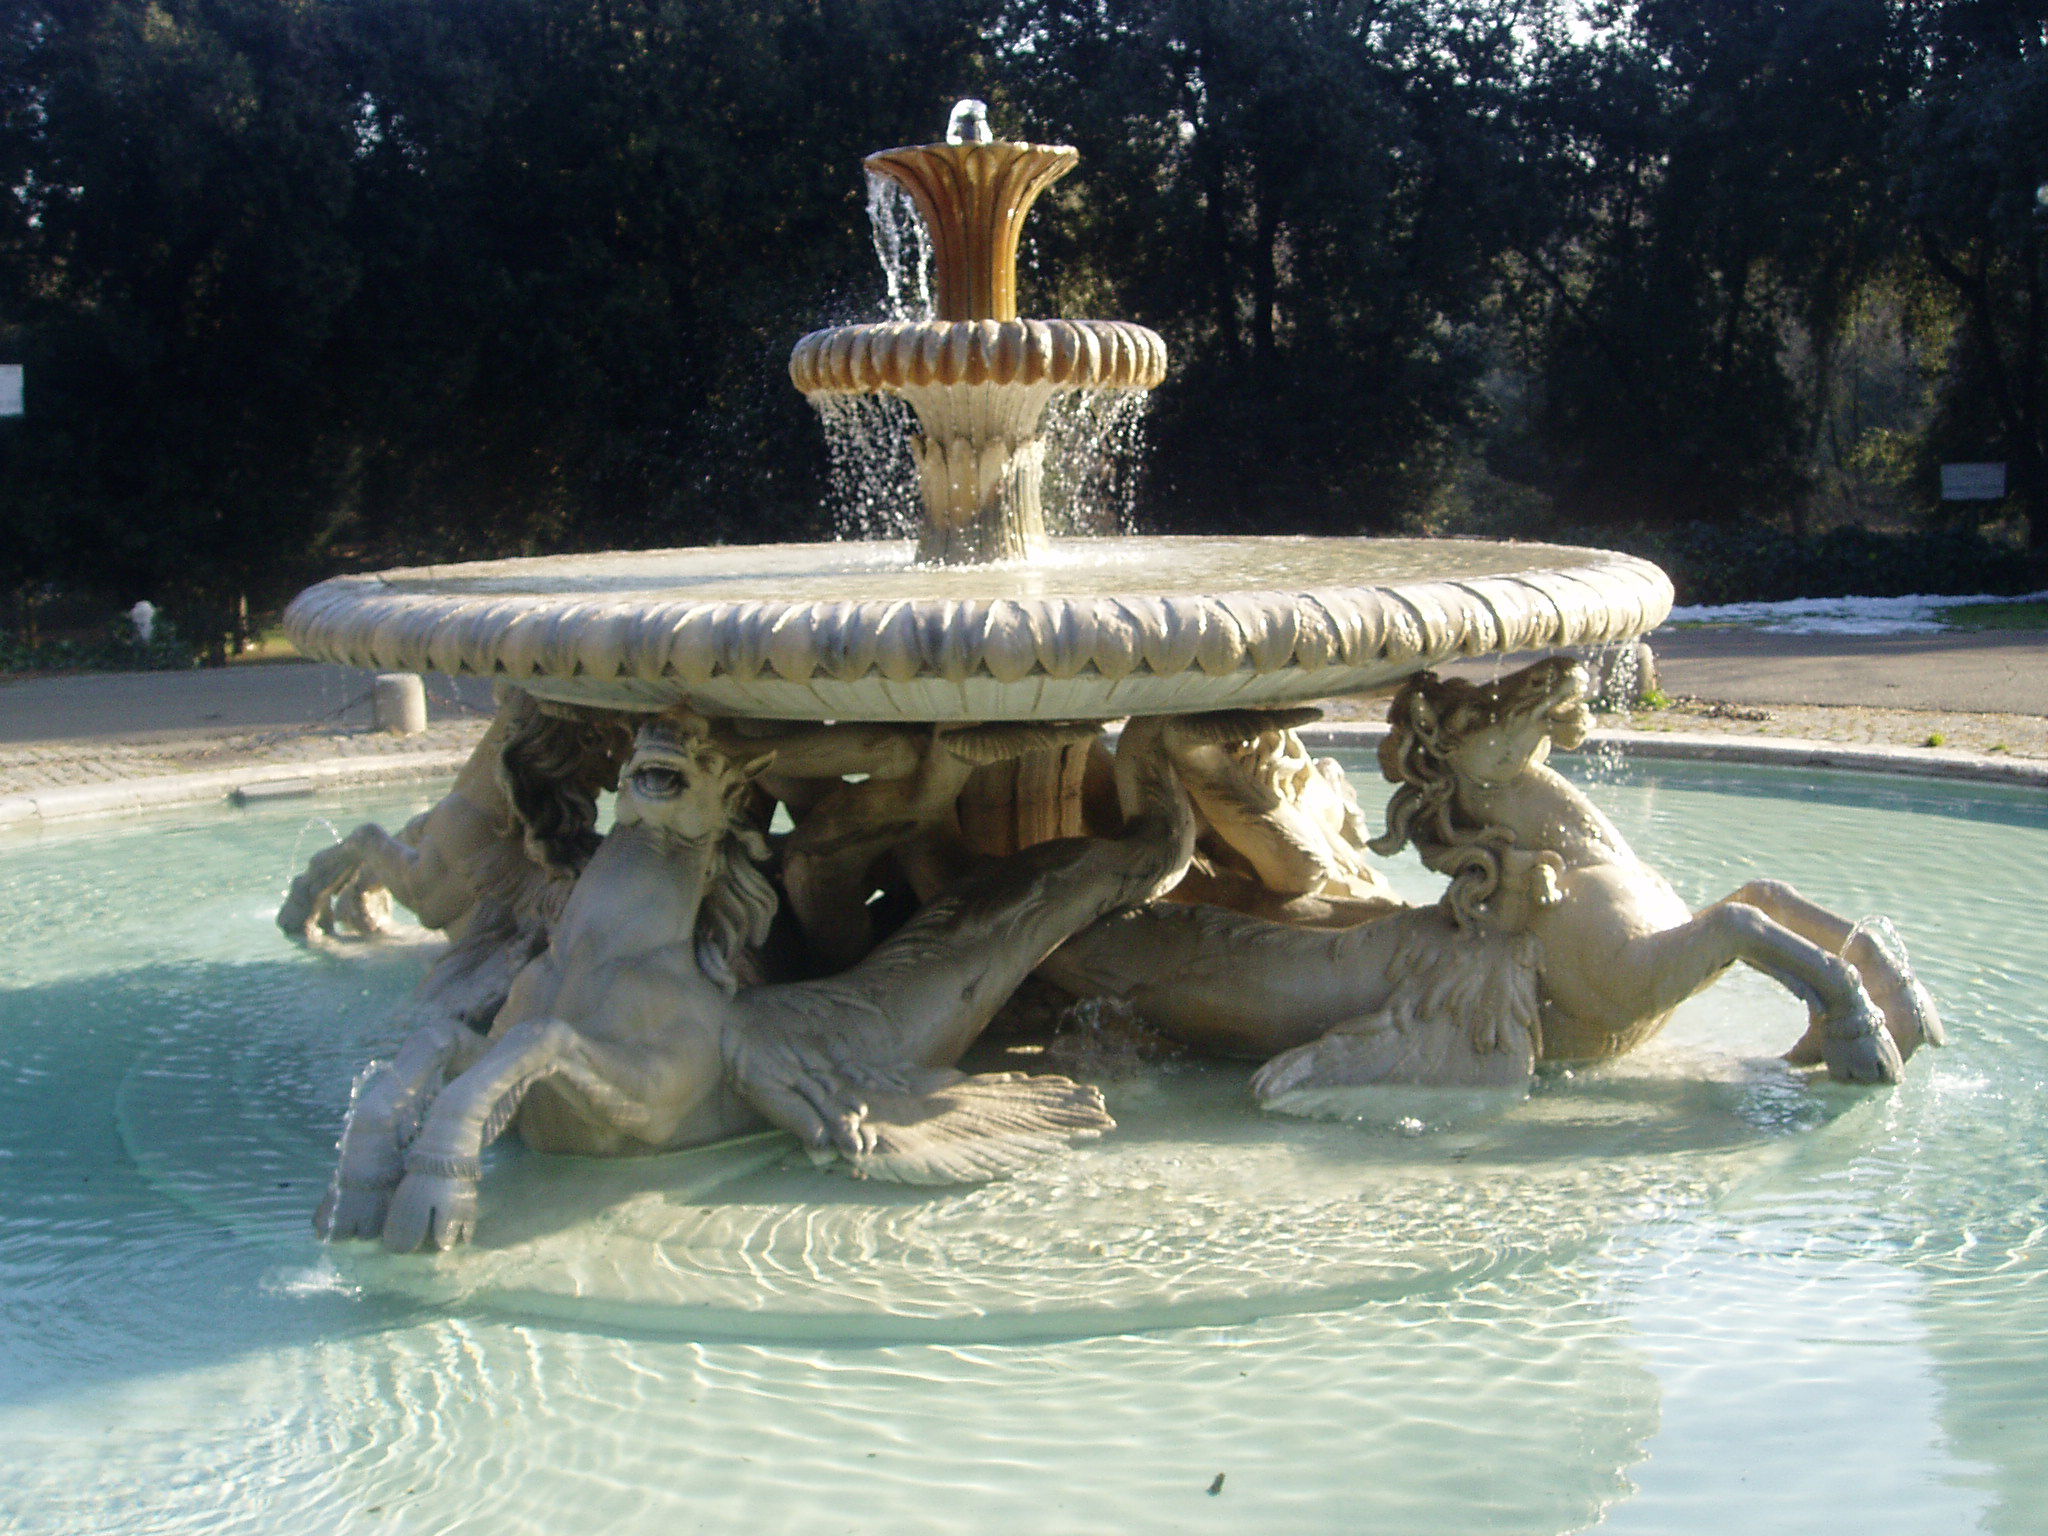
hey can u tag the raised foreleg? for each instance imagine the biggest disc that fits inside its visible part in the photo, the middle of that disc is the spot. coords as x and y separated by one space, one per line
1872 948
1656 972
332 891
435 1203
381 1114
861 1064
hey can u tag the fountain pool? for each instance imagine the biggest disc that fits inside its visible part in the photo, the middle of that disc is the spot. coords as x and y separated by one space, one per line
1685 1292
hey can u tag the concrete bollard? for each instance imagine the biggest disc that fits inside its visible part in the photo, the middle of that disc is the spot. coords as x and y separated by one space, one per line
399 703
1646 671
1621 676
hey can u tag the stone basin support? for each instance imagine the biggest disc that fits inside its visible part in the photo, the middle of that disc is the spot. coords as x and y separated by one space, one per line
980 462
1031 799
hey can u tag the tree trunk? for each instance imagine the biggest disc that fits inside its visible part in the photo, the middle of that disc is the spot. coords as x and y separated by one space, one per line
1265 280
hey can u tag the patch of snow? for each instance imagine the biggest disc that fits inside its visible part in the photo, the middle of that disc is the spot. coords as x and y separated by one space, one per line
1916 615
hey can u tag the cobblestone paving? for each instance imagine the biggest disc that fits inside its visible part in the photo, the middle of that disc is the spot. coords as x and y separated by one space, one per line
57 764
2014 735
2005 735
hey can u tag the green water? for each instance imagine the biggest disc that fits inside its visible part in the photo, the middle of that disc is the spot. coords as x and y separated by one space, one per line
1692 1293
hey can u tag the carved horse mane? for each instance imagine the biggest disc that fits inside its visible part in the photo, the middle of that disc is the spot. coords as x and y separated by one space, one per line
554 764
1428 719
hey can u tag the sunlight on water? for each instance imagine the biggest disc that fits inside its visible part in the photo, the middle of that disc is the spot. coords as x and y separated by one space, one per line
1692 1293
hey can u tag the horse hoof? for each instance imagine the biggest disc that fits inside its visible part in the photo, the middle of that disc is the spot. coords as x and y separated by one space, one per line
1879 956
1284 1073
1866 1058
351 1212
430 1210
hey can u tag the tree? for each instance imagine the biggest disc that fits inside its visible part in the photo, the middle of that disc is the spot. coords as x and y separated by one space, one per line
1718 179
307 283
593 229
1308 199
174 260
1970 150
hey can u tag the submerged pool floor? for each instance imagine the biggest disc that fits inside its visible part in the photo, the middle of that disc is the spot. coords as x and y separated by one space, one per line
1691 1293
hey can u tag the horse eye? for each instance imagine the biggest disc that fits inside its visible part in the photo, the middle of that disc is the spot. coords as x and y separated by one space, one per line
658 783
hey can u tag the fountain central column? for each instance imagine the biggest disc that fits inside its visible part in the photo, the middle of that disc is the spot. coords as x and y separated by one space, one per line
980 459
978 377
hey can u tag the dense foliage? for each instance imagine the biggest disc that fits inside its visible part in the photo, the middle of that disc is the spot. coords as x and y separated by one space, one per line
306 284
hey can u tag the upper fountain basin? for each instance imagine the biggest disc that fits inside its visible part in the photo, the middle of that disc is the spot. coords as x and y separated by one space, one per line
895 355
1098 629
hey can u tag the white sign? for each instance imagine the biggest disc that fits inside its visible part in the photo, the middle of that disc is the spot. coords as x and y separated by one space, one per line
1972 482
10 389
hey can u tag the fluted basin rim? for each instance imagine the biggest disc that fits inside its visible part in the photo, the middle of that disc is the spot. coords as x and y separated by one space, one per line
855 631
902 354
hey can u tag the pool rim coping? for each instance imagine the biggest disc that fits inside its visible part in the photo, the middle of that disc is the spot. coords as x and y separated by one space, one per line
267 781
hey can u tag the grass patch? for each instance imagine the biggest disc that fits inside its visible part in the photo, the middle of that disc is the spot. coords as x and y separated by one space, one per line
1998 616
271 645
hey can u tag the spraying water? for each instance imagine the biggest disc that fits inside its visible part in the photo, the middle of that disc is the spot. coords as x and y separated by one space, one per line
1094 438
969 123
870 478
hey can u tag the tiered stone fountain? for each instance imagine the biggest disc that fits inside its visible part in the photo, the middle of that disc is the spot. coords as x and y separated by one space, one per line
920 712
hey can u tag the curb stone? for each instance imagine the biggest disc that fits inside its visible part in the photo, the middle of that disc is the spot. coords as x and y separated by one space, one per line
130 796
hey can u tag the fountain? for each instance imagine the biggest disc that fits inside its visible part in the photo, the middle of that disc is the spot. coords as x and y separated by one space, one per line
925 719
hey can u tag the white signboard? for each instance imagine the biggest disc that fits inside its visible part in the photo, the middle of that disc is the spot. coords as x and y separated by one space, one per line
1972 482
10 389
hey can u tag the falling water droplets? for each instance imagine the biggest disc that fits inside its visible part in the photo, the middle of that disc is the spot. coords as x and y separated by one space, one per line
870 478
1094 456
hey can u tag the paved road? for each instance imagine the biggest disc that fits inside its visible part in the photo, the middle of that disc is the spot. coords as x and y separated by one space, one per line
1997 673
166 706
2001 672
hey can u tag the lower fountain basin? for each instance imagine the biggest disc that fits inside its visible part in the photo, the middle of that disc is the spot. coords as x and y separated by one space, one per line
1098 629
1683 1294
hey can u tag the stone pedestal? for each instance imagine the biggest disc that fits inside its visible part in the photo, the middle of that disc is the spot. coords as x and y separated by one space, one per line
1031 799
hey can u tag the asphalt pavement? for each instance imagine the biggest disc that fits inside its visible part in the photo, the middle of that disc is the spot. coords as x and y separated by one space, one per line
209 701
1994 672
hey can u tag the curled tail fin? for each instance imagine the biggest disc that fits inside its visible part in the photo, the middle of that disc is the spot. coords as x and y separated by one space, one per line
971 1129
913 1125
